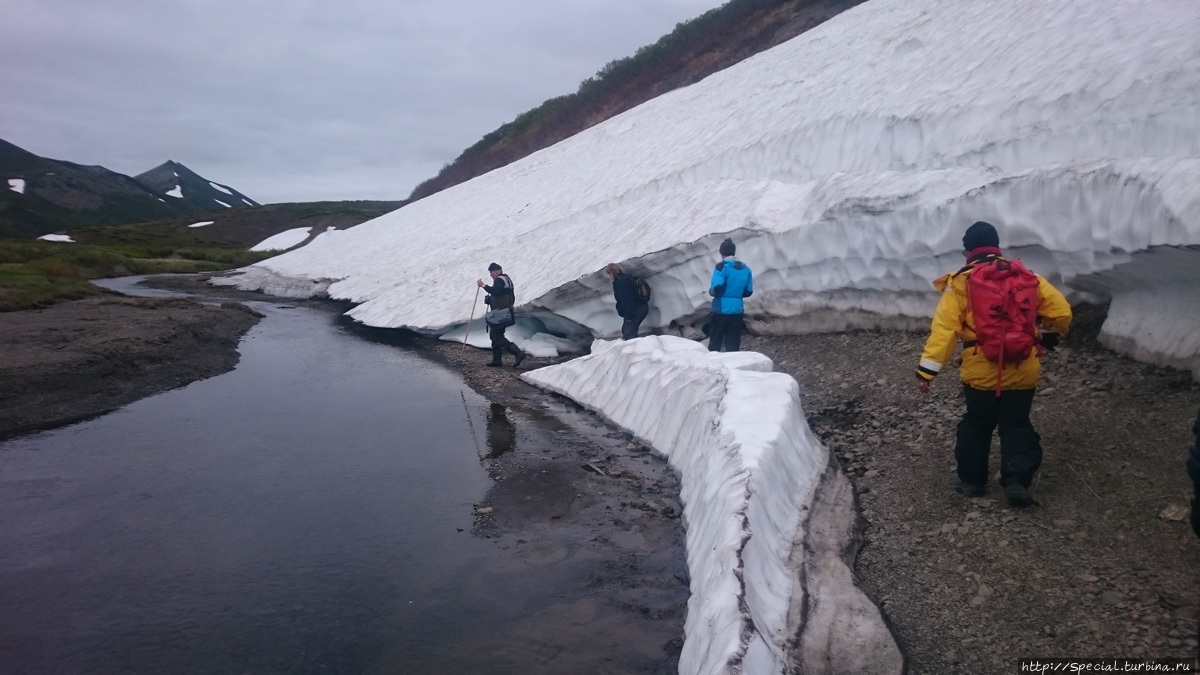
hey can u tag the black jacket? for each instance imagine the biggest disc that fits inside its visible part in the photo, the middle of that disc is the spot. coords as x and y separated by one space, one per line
1193 467
501 294
625 291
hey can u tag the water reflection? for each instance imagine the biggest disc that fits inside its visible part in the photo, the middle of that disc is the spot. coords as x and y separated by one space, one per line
501 434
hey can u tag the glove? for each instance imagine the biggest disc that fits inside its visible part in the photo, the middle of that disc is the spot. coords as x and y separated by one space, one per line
1049 340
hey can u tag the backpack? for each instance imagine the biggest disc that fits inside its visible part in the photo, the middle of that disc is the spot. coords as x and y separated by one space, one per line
643 289
1002 296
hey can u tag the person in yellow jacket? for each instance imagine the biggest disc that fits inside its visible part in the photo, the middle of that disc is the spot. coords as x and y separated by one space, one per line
987 405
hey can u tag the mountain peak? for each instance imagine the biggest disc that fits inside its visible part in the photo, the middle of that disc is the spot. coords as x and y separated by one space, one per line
176 180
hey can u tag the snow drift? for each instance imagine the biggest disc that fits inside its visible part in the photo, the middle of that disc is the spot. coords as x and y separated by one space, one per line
846 163
771 522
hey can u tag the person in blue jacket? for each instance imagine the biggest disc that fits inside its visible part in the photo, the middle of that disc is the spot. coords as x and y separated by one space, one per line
732 280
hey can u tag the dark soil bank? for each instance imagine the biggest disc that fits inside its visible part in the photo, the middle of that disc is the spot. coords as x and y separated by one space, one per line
79 359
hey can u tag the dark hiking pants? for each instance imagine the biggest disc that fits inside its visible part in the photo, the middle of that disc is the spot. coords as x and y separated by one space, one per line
629 327
501 344
725 330
1020 445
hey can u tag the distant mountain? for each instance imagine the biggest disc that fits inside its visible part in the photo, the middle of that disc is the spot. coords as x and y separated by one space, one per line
39 195
184 186
167 206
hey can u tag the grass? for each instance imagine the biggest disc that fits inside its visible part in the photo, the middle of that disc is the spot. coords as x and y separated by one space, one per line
37 273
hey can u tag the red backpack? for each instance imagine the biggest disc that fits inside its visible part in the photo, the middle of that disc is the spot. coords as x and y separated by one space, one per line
1002 295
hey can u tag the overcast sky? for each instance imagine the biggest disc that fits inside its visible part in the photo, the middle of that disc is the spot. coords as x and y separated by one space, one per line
299 100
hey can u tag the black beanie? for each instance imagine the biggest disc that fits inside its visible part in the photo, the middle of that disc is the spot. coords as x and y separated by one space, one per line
980 234
494 266
727 247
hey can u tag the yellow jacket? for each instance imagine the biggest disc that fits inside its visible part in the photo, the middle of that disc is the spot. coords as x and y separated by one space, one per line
953 321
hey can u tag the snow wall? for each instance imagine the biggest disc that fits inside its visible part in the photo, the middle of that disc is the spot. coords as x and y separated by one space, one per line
771 522
846 164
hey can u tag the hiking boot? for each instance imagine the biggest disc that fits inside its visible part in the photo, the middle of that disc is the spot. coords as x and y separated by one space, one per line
495 364
496 354
968 490
518 355
1018 495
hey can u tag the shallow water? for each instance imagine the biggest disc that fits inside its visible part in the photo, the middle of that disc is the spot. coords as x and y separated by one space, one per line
310 511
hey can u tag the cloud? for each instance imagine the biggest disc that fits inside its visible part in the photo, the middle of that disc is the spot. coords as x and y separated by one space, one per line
304 100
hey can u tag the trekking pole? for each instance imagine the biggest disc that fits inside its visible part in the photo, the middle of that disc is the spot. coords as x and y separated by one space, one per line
463 352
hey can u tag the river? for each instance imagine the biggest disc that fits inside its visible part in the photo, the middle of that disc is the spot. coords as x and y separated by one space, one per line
311 511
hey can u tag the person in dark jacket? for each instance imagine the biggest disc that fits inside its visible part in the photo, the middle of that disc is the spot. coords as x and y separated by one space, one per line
732 280
500 295
630 306
1193 467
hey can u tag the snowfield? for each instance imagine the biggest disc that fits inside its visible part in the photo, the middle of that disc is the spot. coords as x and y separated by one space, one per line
846 164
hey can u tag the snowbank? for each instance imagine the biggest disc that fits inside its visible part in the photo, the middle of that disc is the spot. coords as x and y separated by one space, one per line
771 522
846 163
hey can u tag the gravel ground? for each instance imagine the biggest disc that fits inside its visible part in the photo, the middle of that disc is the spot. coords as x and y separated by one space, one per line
1104 565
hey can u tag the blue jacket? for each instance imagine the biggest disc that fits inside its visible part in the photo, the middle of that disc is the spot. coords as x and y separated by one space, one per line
731 281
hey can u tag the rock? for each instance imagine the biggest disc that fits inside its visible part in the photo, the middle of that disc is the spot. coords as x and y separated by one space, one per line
1112 597
593 468
951 658
1175 513
1090 578
483 510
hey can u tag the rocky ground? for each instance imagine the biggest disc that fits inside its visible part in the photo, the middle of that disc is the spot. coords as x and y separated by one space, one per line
79 359
1104 565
